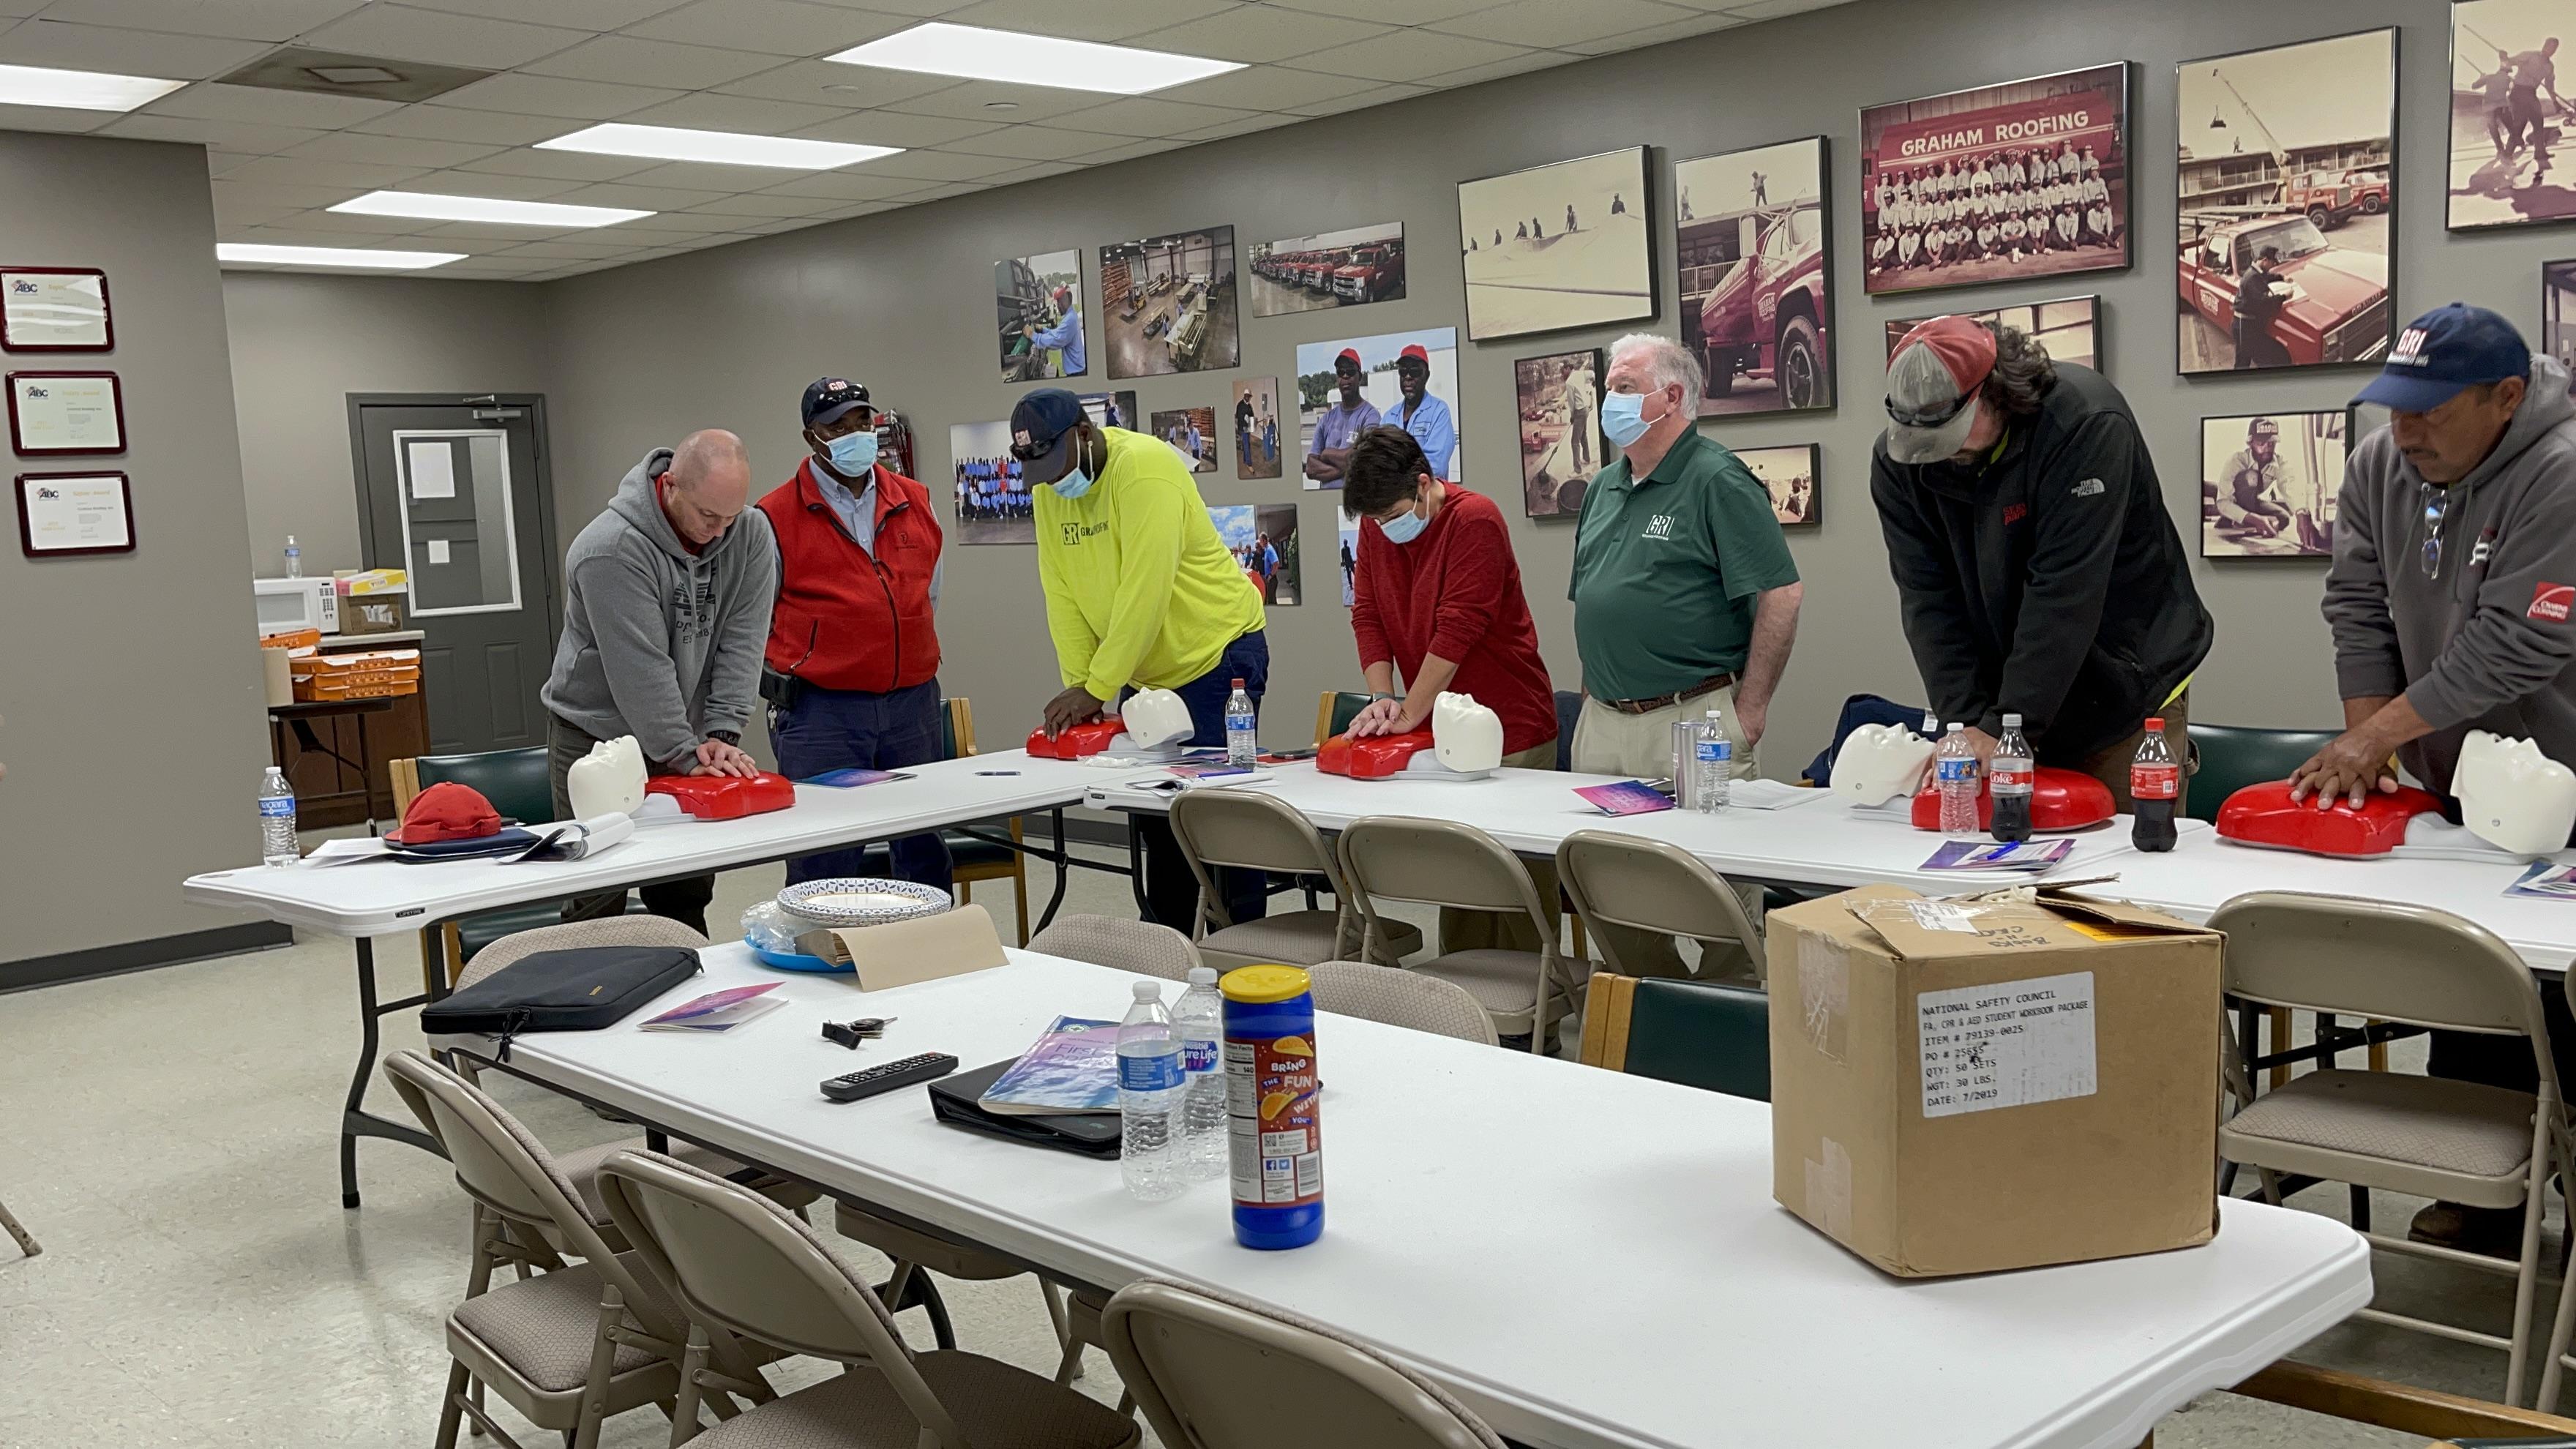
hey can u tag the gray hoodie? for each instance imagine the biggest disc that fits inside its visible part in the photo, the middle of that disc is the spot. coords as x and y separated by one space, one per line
2488 644
658 642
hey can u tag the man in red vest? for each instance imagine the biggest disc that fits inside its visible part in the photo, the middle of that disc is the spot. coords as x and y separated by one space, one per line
852 669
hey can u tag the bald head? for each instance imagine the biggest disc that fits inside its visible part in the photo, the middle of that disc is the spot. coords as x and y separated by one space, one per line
707 486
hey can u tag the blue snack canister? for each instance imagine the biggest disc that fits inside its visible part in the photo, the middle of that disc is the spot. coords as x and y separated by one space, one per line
1275 1129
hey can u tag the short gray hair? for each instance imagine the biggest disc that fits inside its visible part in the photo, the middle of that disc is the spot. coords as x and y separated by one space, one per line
1667 362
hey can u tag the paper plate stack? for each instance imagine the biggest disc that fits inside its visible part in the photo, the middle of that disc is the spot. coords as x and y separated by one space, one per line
846 901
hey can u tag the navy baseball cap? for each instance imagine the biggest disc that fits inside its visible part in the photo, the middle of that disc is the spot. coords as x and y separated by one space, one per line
2443 353
1042 433
829 399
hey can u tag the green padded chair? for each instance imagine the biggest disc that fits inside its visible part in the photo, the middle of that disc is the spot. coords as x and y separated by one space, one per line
2233 757
516 783
1335 711
1698 1033
974 860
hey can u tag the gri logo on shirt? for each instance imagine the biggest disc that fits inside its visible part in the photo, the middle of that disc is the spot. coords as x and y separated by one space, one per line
1660 526
2551 602
1076 532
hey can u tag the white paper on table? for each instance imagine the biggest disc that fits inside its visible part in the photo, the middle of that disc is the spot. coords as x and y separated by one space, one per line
347 852
433 470
1771 795
438 550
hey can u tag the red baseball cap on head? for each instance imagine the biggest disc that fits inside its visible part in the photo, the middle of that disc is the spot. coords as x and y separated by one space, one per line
1414 351
1932 382
447 811
1350 355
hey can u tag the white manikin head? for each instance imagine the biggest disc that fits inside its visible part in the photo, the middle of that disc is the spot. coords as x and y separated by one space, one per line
1880 762
2512 796
1154 718
1466 736
609 778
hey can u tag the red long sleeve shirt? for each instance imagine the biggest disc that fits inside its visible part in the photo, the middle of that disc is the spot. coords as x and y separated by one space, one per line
1455 591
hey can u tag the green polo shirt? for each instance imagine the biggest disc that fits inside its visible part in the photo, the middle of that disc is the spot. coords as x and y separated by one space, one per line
1665 571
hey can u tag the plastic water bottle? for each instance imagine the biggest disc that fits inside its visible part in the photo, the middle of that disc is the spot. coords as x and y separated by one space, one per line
294 559
1199 1016
1956 773
1149 1097
2009 782
277 819
2155 780
1242 729
1713 764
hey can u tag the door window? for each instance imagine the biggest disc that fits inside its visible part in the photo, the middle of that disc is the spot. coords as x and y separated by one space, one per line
460 540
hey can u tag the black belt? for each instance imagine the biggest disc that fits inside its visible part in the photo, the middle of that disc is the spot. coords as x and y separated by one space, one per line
1666 701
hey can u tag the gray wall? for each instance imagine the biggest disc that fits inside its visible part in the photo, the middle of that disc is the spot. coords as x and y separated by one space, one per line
302 343
130 682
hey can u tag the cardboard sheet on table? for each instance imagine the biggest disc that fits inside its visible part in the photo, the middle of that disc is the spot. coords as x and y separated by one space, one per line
927 948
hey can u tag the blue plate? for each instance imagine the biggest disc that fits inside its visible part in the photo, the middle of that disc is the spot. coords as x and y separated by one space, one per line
798 961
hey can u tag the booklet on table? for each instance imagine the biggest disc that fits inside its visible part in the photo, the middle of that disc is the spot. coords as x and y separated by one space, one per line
847 778
2546 880
719 1010
1073 1068
1627 797
2030 856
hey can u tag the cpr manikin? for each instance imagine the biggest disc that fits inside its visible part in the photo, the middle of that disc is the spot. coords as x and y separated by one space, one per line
1465 742
1155 718
1154 724
608 780
2512 796
1879 763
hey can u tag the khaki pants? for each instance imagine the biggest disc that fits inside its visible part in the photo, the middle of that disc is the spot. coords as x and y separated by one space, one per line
684 901
1489 930
2110 764
1608 742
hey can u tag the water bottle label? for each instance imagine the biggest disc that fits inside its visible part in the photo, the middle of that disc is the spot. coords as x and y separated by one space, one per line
2009 779
1956 771
276 807
2155 782
1714 752
1149 1074
1198 1056
1278 1133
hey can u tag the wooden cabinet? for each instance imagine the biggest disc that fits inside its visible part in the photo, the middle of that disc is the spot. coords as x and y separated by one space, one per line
325 787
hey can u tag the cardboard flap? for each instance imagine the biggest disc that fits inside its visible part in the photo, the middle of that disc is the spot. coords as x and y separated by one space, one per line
1921 929
926 948
2131 918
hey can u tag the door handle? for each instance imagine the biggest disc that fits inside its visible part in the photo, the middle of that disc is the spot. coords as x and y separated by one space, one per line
499 415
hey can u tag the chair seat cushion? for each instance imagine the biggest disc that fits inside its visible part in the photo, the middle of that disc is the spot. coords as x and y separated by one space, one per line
2461 1127
1304 938
1505 983
473 933
992 1402
963 849
582 1165
542 1327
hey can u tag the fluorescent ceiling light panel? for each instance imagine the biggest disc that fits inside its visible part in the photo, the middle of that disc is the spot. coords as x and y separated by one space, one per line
366 257
485 208
728 148
79 90
976 53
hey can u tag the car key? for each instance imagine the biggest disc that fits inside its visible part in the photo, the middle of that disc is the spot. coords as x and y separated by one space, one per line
928 1067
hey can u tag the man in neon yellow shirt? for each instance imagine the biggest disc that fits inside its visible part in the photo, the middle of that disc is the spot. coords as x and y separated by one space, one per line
1140 594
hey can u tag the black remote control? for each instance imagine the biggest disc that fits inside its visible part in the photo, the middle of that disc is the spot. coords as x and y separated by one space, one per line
927 1067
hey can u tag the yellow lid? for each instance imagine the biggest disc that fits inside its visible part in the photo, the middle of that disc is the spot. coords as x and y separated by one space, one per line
1257 985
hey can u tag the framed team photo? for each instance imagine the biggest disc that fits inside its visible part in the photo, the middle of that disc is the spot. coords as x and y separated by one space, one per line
2269 482
1754 239
1789 474
2069 327
2508 120
1562 445
1407 380
2001 183
2287 201
992 491
1557 246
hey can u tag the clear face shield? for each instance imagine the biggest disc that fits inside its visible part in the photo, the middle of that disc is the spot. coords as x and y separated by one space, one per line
2512 796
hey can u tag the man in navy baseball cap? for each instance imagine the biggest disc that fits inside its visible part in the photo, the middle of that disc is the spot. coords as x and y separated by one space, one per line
2444 353
1046 426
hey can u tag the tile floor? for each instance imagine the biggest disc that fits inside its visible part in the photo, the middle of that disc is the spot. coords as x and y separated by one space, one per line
168 1135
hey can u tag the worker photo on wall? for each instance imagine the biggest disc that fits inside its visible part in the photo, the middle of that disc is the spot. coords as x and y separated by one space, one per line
2285 160
1350 532
2268 484
1561 441
1263 539
2558 314
2001 183
2070 327
1038 306
1167 304
1256 427
1111 410
1789 474
1192 434
1557 246
2509 123
1756 256
1407 380
1346 268
992 494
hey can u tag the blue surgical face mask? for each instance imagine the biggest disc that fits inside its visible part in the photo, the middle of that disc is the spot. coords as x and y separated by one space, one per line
1404 527
1072 485
1623 417
854 453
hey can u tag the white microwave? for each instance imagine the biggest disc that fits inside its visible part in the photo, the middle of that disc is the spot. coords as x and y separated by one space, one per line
288 604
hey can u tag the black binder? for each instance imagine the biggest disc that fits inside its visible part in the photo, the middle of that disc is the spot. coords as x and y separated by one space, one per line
956 1100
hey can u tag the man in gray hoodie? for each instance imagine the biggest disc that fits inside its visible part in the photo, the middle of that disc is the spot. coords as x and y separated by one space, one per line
2450 599
666 614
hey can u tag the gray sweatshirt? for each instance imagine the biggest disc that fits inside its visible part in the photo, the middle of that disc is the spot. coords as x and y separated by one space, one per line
2488 644
658 642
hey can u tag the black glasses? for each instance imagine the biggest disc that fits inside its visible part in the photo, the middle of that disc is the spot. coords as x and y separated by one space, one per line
2437 502
1906 417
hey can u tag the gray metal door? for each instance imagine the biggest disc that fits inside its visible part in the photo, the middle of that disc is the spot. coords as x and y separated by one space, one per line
455 491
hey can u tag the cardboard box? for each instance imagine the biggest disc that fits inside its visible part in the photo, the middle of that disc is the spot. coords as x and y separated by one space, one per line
1970 1084
371 614
361 583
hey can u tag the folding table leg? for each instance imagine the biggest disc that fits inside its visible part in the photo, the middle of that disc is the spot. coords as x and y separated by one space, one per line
355 1121
1062 856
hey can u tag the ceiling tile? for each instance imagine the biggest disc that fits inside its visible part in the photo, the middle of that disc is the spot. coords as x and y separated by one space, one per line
247 137
767 225
541 95
560 251
1551 22
51 118
402 32
490 183
781 27
752 115
1521 64
277 193
1265 88
690 221
849 186
447 234
129 52
1774 9
300 171
1029 143
1363 100
275 108
1406 54
563 165
894 128
1257 121
1654 34
623 59
823 83
1393 12
1038 172
1130 151
270 20
580 14
342 221
709 176
1136 21
1146 116
985 100
641 198
1258 32
943 192
231 213
918 9
389 150
757 205
450 123
936 165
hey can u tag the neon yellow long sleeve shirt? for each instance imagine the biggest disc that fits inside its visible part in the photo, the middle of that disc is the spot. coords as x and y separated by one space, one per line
1139 588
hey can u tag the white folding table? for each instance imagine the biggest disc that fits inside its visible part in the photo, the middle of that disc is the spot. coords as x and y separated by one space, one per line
1588 1259
384 897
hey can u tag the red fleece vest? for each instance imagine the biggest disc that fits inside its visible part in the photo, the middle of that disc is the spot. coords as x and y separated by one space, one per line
849 618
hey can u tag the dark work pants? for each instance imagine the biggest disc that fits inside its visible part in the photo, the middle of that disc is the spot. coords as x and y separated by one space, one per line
1171 892
684 901
839 729
2505 1061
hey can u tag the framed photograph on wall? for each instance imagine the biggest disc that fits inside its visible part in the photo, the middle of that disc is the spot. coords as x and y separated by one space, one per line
1263 539
2506 114
2268 484
1038 322
2069 327
65 514
1256 428
1789 474
1402 379
1168 304
1557 246
2558 311
992 491
1350 536
1347 268
55 309
2000 183
1111 409
2287 200
1192 434
59 414
1755 242
1562 445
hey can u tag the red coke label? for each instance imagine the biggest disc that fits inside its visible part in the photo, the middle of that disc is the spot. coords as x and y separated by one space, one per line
2006 782
2155 782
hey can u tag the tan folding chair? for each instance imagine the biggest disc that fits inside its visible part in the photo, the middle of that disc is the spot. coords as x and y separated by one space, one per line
1648 886
740 1266
577 1343
1144 947
1261 832
2424 1136
1213 1371
1398 997
1443 863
